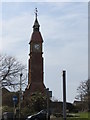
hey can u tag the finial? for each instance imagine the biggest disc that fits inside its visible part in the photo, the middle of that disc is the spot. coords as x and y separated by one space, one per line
36 24
36 11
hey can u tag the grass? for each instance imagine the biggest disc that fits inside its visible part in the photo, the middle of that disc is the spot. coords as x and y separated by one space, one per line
70 119
84 114
81 116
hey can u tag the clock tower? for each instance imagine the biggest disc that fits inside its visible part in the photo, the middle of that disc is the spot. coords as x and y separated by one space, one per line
35 63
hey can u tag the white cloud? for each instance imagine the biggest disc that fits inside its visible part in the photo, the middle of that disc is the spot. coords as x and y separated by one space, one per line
0 27
67 37
45 0
16 31
65 43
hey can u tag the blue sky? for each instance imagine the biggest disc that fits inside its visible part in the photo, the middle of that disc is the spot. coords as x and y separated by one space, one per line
64 27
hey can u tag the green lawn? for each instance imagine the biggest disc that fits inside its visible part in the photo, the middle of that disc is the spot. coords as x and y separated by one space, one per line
80 116
70 119
84 115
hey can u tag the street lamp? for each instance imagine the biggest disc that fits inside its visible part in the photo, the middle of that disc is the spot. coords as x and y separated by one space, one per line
64 95
20 93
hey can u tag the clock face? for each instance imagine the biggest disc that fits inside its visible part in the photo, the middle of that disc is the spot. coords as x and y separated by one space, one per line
37 46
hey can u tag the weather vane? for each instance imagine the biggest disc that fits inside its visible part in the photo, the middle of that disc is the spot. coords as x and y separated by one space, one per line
36 11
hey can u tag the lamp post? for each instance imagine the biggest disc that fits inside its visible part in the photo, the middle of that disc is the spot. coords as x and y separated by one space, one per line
64 95
20 93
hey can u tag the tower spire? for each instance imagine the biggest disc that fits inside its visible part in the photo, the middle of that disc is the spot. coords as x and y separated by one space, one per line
36 24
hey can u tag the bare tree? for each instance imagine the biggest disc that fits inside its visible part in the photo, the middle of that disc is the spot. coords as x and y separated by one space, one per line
83 94
82 90
10 70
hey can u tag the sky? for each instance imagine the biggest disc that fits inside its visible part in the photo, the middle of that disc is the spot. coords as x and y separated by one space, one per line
64 28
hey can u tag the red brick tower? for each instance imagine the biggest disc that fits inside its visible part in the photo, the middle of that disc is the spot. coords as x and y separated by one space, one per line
35 75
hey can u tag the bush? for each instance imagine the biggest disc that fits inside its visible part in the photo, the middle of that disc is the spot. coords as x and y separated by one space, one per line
7 109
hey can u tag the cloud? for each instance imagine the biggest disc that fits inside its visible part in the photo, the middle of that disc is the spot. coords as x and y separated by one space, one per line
45 1
64 30
16 30
0 26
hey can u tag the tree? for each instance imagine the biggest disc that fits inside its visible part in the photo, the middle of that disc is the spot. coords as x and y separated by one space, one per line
82 90
10 70
83 94
36 102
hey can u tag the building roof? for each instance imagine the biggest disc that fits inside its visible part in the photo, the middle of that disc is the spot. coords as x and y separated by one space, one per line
36 25
36 37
